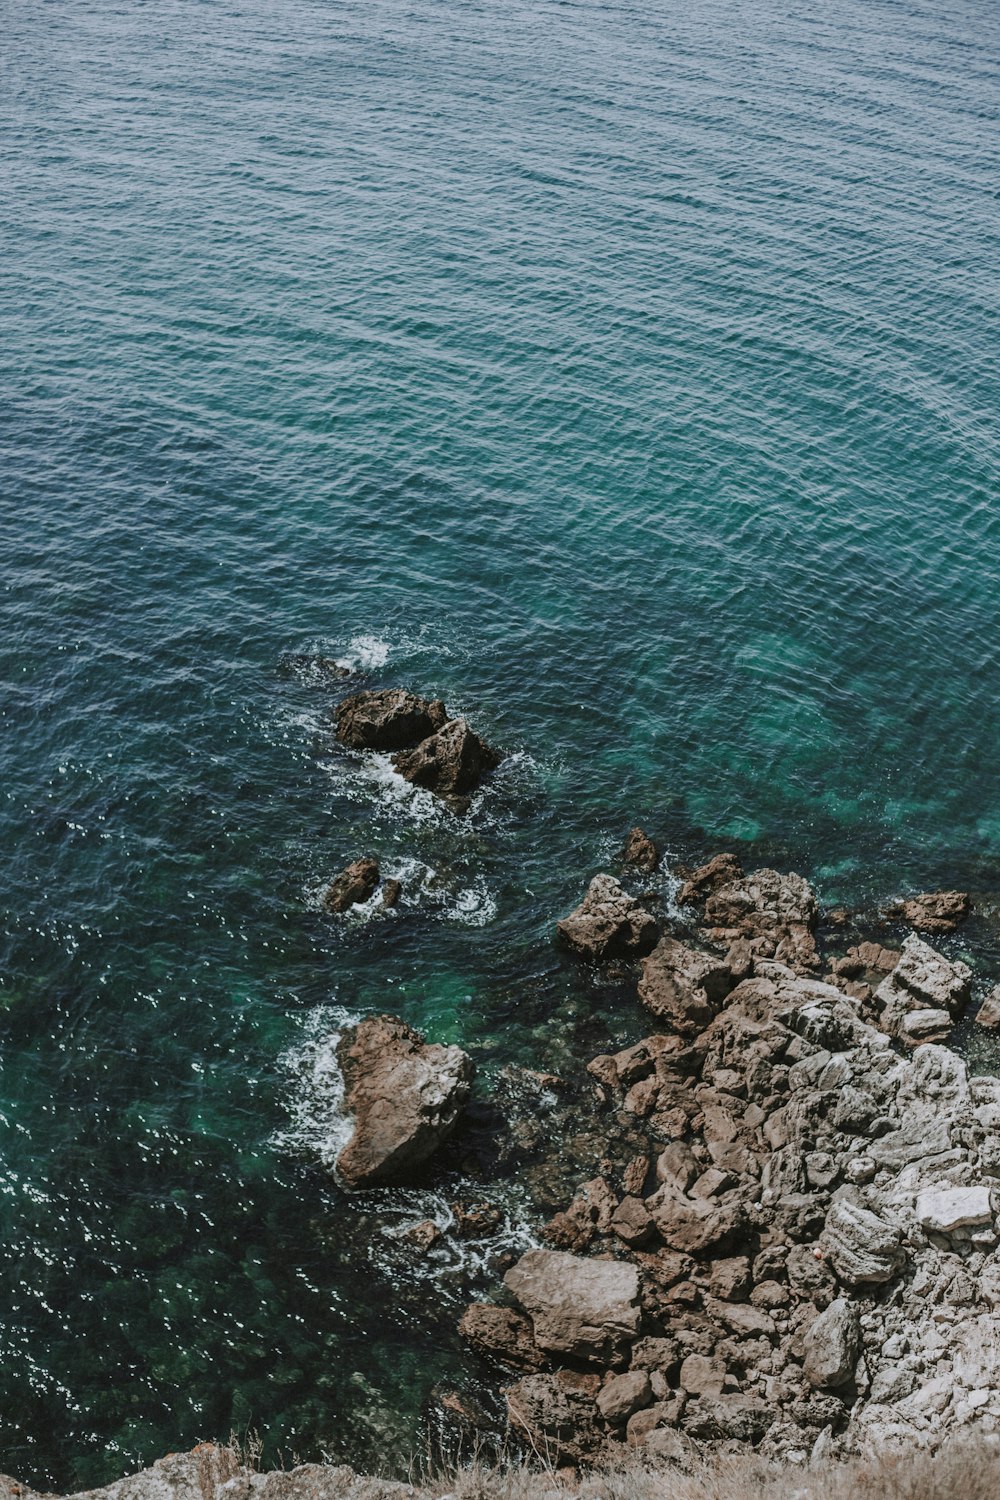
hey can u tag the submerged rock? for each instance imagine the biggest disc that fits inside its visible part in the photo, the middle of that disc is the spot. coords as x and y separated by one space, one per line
387 719
988 1013
354 885
450 762
405 1094
609 923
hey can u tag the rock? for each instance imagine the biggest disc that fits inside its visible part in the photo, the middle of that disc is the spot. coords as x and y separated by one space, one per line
702 1376
389 719
737 1417
608 923
640 851
730 1278
720 870
557 1414
501 1333
405 1096
776 914
632 1223
946 1210
588 1309
623 1395
922 980
682 986
862 1248
988 1013
832 1345
354 885
918 1026
391 892
450 763
693 1225
424 1235
933 911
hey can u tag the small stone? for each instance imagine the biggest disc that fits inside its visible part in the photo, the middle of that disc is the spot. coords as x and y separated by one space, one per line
391 892
640 851
702 1376
354 885
832 1345
988 1013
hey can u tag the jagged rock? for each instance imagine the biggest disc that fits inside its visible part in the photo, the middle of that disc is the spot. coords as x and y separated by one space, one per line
682 986
640 851
503 1334
988 1013
588 1309
720 870
832 1345
775 913
923 980
355 884
609 923
738 1417
632 1223
557 1414
946 1210
862 1248
933 911
387 719
623 1395
692 1225
391 892
405 1095
450 763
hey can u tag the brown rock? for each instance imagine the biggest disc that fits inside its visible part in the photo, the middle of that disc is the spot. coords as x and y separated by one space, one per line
634 1176
682 986
502 1334
405 1096
424 1235
933 911
631 1222
451 762
391 892
622 1395
720 869
776 913
693 1225
477 1221
702 1376
354 885
608 923
590 1213
988 1013
588 1309
390 719
557 1414
730 1278
640 851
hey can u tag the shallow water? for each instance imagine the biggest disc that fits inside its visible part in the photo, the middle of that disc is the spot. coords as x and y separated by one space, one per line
626 374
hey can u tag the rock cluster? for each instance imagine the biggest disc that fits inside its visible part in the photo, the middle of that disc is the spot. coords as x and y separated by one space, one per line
442 754
405 1096
805 1250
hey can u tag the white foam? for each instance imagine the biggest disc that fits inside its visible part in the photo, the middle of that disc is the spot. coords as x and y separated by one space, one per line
318 1125
473 907
365 653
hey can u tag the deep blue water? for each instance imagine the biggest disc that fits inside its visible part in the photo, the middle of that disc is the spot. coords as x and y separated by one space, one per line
626 373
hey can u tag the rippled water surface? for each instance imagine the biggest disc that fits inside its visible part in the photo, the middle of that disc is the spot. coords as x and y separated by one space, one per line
625 373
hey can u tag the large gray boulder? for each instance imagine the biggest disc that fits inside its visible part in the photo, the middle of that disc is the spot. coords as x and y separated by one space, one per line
587 1309
832 1344
609 923
405 1095
862 1248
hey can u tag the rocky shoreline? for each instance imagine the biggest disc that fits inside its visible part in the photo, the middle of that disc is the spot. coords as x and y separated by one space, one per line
787 1239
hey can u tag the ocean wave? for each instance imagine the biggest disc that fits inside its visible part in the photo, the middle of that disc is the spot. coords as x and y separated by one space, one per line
318 1124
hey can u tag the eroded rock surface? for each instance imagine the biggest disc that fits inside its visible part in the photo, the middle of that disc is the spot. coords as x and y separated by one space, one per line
451 762
387 719
933 911
405 1095
609 923
355 884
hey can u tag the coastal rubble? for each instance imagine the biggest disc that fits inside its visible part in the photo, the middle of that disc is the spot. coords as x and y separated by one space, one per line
811 1221
405 1096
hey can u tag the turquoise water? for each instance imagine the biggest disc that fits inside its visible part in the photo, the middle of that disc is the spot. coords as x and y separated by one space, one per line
625 373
